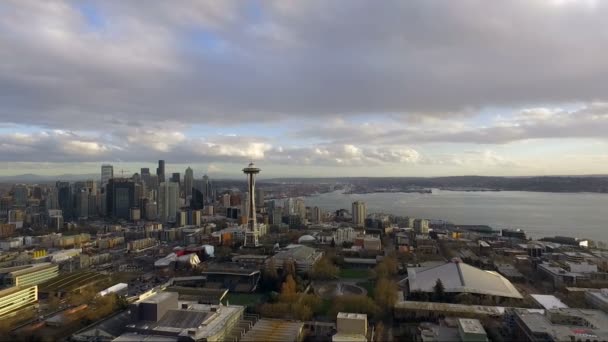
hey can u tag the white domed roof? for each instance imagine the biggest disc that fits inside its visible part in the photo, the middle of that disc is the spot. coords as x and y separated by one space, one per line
306 238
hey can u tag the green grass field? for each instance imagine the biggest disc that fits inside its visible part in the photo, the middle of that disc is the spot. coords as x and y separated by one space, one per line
246 299
369 286
354 273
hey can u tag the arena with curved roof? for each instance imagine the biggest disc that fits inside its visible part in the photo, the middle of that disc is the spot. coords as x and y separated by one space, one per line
458 277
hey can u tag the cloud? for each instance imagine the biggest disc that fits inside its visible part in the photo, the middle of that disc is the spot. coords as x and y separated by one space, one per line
215 62
590 121
344 155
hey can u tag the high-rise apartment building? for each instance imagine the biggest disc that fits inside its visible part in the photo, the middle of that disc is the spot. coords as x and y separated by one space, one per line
359 213
188 182
168 196
300 209
317 215
107 173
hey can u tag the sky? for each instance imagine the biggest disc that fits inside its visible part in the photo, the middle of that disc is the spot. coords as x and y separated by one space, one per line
305 88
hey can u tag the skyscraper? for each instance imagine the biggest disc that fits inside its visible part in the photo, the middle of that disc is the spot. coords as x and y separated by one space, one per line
359 213
168 195
160 171
259 198
107 172
197 197
120 197
64 198
20 194
176 177
252 233
188 182
208 189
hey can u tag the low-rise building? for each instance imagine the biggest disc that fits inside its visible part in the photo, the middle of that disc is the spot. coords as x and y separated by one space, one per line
372 243
561 325
164 316
471 330
28 275
598 299
272 330
350 327
16 298
303 257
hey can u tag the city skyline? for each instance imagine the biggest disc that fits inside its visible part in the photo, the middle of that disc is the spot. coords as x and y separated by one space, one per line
508 89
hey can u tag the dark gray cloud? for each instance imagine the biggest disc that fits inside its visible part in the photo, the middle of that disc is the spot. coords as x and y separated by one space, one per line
216 62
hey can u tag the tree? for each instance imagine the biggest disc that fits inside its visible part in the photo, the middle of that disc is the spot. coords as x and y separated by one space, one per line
270 277
324 269
354 303
379 332
347 244
301 312
386 268
385 294
438 291
289 268
288 290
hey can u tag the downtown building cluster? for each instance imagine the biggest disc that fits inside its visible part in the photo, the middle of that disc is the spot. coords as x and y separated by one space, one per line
142 196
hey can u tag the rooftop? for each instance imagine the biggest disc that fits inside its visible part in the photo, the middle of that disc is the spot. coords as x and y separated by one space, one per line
298 253
351 315
274 330
25 269
549 301
71 281
568 323
460 277
471 326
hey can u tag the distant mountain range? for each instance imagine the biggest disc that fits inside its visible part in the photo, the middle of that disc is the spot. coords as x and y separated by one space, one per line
32 178
593 183
585 183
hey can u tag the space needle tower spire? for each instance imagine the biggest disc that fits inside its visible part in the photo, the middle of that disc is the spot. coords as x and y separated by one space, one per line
252 233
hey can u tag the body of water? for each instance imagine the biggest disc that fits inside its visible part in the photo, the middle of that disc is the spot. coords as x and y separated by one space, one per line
538 213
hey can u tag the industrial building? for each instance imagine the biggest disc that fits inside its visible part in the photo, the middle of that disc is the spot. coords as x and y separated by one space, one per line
458 277
28 274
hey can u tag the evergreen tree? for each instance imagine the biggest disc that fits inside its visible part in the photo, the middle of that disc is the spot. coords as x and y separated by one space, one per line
438 290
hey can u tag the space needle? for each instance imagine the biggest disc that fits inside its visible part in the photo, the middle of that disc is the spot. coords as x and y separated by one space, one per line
252 233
